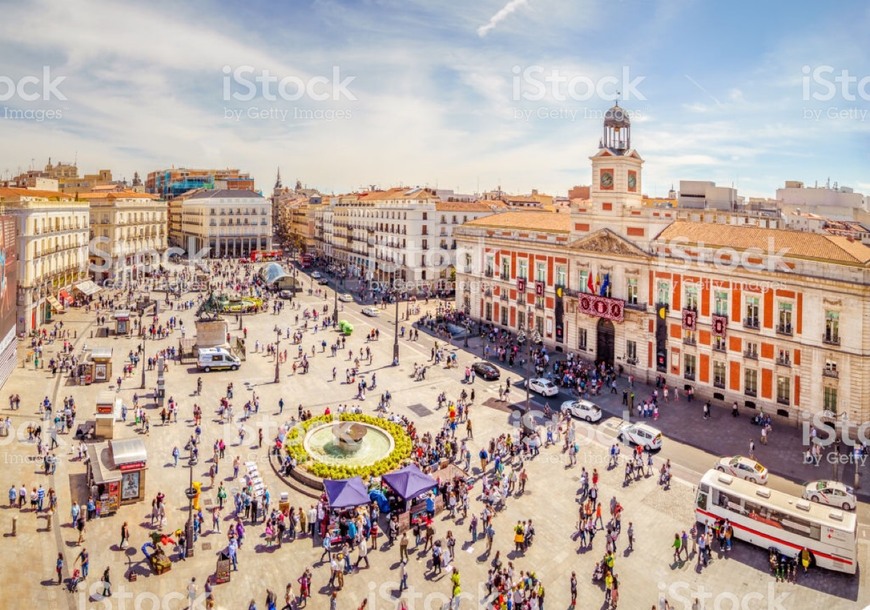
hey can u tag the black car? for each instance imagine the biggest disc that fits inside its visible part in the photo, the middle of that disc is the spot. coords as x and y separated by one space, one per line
485 370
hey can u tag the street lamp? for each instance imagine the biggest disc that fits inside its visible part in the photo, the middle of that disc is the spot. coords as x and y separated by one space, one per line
142 354
535 338
277 353
396 330
190 492
335 307
467 330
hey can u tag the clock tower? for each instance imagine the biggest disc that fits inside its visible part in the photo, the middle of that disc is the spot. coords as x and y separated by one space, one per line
616 168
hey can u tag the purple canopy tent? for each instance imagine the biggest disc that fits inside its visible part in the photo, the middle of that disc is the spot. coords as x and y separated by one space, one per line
346 493
409 482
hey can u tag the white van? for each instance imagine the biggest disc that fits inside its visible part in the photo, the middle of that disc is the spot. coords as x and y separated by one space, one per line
217 358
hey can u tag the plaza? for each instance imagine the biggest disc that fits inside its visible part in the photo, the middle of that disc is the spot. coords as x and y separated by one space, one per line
737 579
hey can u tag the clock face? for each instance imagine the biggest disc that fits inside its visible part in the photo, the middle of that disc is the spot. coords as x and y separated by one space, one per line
632 181
606 179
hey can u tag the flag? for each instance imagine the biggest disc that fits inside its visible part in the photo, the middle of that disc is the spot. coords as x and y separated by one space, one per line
597 281
589 285
605 285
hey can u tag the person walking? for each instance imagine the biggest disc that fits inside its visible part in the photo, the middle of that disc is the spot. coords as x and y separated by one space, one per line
107 583
125 536
707 410
58 567
191 593
677 545
630 533
751 449
84 557
573 589
403 575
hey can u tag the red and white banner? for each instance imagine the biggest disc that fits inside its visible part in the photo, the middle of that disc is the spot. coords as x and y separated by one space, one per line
690 319
521 284
601 307
539 289
720 323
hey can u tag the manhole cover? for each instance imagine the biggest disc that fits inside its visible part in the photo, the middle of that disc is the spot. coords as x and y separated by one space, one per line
420 410
206 546
209 502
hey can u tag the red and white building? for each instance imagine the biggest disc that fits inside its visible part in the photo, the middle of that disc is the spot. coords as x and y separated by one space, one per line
711 299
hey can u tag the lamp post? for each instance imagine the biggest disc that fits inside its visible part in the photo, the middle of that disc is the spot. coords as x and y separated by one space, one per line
396 331
532 340
142 355
467 330
277 354
335 307
190 492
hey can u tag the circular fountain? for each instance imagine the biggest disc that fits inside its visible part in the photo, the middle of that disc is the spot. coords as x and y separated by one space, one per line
348 444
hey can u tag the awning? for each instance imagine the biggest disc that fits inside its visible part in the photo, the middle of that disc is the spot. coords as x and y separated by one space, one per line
101 469
88 287
409 482
65 297
55 304
128 450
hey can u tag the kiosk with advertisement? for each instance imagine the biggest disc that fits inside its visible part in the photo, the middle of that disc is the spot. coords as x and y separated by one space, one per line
98 366
122 322
116 473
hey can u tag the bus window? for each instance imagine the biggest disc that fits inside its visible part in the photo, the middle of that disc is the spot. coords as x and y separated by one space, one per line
702 500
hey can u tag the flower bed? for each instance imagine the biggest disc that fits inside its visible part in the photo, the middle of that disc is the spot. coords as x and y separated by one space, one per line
293 444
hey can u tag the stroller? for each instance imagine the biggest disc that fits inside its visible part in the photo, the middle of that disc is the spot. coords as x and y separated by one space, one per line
598 572
74 580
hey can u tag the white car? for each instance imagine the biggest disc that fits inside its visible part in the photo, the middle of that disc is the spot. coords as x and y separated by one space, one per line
832 493
640 434
286 294
316 275
345 298
371 311
582 409
743 468
542 386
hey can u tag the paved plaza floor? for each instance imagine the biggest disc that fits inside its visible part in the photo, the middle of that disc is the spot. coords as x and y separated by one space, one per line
739 579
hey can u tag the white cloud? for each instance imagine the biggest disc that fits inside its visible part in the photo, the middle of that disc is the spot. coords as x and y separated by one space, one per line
500 16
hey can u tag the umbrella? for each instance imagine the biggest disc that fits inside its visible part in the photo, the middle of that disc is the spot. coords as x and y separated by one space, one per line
409 482
346 493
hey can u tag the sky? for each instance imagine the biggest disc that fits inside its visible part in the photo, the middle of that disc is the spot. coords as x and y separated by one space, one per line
468 95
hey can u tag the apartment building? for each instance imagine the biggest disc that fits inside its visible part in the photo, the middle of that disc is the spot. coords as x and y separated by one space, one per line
230 223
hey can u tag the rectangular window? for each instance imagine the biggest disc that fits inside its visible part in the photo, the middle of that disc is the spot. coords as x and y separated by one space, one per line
505 268
783 390
541 272
783 325
521 320
631 291
719 369
581 338
750 382
539 302
830 399
584 281
720 303
663 293
631 352
539 325
751 318
691 296
751 350
830 369
689 366
425 217
523 270
489 266
832 327
504 316
689 337
561 276
784 357
719 344
488 312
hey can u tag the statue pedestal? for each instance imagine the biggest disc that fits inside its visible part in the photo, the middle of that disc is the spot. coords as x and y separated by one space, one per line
212 333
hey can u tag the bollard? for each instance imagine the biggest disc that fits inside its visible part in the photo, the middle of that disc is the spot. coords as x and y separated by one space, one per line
92 334
49 519
15 526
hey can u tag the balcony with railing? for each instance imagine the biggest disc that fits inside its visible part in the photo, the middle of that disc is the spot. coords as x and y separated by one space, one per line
690 341
832 373
831 338
719 383
751 323
750 353
690 375
635 306
783 361
784 329
488 273
751 392
782 400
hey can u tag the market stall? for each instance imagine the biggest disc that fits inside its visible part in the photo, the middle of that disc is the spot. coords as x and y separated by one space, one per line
411 487
116 473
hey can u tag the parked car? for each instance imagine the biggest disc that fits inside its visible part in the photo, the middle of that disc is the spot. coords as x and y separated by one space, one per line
582 409
542 386
743 468
832 493
345 298
640 434
316 275
485 370
370 311
322 281
286 294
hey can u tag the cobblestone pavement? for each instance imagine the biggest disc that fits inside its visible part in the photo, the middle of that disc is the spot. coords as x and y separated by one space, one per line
645 573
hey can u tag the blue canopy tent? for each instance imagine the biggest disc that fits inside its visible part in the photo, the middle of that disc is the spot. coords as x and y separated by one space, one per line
409 482
346 493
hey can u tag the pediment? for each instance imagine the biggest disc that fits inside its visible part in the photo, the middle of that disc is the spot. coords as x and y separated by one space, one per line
606 241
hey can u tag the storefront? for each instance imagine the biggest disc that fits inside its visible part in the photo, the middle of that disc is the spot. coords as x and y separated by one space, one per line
116 473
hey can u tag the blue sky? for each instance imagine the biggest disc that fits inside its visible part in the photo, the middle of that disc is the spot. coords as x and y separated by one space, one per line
449 94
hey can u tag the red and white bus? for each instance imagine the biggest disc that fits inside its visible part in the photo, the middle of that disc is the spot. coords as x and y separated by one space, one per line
769 518
265 255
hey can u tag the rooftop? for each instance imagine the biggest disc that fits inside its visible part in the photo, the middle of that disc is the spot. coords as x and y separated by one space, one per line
226 194
110 195
13 193
791 244
468 206
548 222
